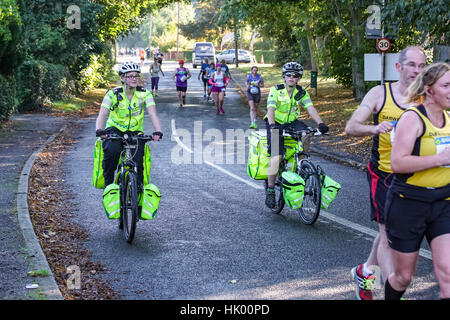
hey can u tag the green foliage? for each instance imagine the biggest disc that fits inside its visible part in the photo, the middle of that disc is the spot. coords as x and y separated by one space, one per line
118 18
10 32
431 18
41 82
96 74
47 37
269 56
204 27
8 102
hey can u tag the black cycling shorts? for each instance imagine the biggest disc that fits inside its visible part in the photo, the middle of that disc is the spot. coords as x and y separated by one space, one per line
296 124
379 183
408 221
182 89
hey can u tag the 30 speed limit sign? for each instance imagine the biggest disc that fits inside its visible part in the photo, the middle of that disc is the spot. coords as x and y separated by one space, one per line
383 45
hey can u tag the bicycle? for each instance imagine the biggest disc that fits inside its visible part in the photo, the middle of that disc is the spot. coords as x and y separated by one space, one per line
311 173
126 178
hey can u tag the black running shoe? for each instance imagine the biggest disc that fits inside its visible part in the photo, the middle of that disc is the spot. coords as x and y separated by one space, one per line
270 198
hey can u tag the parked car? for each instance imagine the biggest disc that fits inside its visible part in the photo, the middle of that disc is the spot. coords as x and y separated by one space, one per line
229 56
201 51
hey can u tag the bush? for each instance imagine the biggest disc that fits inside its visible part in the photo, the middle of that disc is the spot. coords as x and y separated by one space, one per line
96 74
41 82
269 56
8 94
187 56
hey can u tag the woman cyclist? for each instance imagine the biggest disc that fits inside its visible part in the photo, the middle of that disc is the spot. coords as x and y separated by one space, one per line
123 110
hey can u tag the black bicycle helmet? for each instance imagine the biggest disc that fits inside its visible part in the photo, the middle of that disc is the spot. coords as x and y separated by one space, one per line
292 67
129 67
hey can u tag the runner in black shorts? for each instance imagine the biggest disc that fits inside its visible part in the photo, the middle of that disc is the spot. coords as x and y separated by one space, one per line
385 104
418 201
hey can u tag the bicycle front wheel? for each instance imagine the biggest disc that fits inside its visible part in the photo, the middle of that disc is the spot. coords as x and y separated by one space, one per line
309 212
129 206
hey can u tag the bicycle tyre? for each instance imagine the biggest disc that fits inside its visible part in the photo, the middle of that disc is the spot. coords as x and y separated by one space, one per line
129 206
309 212
279 199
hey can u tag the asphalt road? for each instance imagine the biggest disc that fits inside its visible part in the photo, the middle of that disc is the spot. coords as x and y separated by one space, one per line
213 238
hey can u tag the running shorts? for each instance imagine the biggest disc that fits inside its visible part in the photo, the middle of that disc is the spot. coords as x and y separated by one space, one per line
408 221
253 97
379 183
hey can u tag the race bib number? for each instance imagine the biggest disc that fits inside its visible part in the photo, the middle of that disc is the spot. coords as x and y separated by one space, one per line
442 143
392 133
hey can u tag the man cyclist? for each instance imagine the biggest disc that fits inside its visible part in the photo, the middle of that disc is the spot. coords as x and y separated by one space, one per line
283 111
123 110
385 104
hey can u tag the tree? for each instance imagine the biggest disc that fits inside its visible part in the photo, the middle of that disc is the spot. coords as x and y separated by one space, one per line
431 18
204 26
10 34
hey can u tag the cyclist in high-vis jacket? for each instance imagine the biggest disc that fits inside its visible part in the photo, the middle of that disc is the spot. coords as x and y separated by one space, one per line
123 110
284 105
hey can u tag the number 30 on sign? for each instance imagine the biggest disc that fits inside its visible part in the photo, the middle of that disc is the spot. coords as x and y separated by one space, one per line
383 45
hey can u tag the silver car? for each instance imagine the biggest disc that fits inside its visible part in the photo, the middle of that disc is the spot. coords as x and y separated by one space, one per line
229 56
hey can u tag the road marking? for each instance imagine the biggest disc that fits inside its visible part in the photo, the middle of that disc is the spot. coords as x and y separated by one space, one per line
181 144
344 222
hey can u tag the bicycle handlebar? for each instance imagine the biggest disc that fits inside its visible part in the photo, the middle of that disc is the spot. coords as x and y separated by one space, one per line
129 138
300 133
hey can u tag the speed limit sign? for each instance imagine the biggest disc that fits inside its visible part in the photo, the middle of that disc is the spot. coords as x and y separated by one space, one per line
383 45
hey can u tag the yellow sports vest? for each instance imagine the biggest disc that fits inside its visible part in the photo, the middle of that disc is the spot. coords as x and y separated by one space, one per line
127 115
430 143
287 109
381 147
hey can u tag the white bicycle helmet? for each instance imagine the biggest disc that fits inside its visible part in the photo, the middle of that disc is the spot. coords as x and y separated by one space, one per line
129 67
292 67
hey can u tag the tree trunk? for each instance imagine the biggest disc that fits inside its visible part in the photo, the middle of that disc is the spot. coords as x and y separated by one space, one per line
252 40
236 42
312 47
357 43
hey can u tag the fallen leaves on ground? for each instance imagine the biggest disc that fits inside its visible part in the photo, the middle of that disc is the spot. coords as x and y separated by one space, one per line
61 239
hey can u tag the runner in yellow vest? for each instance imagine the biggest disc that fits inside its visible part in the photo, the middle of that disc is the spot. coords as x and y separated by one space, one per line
123 110
284 105
418 201
385 104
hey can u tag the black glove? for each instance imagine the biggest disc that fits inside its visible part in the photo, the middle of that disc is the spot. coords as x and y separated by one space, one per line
323 128
100 132
158 133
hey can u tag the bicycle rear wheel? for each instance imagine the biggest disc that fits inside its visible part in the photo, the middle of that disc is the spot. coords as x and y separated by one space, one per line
279 200
309 212
129 206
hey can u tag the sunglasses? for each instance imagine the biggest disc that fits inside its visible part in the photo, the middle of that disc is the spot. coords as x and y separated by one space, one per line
292 75
132 77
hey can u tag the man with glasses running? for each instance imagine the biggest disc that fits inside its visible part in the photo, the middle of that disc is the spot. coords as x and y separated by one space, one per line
385 104
283 111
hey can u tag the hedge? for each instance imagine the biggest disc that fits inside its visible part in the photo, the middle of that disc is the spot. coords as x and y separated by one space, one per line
42 82
269 56
8 101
